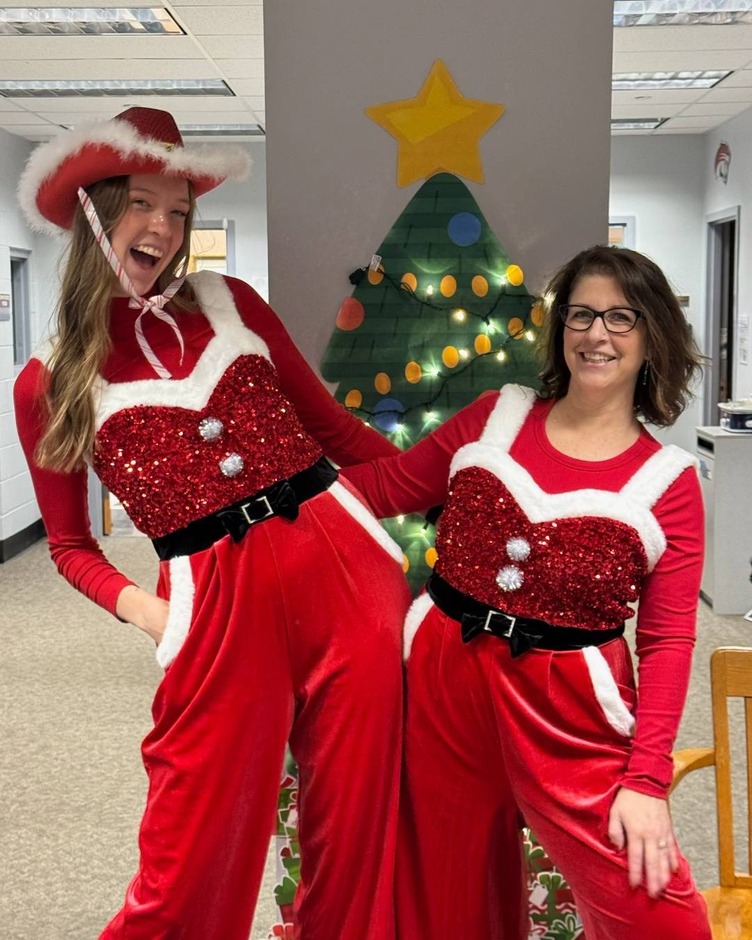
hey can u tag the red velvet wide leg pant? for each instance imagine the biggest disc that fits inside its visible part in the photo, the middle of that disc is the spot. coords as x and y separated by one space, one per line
547 732
459 856
292 633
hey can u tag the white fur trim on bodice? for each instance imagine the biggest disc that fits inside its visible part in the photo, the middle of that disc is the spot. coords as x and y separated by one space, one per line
231 339
632 505
505 421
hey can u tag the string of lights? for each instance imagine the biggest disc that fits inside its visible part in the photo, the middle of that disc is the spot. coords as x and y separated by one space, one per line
460 315
401 413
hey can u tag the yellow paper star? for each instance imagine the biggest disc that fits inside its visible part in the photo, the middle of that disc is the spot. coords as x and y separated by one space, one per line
438 130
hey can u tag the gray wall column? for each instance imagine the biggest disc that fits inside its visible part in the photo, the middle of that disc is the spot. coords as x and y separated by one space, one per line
331 171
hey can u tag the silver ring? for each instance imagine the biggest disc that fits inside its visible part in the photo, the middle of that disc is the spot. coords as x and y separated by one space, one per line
662 844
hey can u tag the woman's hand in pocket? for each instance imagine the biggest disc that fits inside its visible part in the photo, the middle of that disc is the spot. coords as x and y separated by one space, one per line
144 610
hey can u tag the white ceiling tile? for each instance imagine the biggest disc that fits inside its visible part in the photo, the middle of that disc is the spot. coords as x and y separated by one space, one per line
11 104
662 61
657 98
682 39
690 129
254 87
101 48
234 47
223 20
698 121
645 110
252 101
9 118
178 5
224 106
720 108
241 68
45 4
740 79
225 40
58 108
120 68
74 110
35 132
726 93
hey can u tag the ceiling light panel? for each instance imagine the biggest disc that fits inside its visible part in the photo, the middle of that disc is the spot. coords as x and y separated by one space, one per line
221 130
634 124
99 89
628 81
682 12
80 21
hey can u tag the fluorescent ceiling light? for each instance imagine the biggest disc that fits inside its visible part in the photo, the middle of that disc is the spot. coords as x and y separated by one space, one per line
80 21
628 81
636 124
222 130
99 89
682 12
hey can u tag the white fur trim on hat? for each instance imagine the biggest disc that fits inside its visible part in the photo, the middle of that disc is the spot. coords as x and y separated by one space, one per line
219 163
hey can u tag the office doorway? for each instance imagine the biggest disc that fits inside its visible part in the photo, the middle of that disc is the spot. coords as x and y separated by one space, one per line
722 272
20 305
213 246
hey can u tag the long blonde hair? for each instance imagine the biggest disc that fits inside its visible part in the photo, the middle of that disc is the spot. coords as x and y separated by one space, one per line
82 341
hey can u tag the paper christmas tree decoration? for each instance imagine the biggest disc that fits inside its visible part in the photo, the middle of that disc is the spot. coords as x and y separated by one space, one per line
441 318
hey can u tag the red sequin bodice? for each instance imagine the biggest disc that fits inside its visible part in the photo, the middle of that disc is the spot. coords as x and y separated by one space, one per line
571 555
581 572
171 465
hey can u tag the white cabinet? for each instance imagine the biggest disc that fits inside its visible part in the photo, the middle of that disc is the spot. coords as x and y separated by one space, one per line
726 478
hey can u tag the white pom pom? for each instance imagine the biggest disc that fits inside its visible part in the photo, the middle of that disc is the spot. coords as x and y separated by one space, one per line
510 578
518 549
231 465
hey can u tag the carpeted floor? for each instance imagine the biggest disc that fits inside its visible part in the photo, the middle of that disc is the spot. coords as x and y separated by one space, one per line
75 693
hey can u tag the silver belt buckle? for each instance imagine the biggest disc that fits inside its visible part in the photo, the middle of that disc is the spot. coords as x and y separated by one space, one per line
508 620
268 511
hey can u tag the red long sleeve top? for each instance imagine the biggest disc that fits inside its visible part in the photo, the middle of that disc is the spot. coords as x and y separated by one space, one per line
240 369
604 535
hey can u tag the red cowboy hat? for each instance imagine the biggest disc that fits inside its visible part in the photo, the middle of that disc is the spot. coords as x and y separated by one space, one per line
140 140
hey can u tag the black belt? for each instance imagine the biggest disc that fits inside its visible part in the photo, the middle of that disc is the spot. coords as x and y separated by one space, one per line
280 499
523 633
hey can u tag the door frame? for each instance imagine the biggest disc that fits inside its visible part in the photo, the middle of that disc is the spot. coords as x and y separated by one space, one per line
712 302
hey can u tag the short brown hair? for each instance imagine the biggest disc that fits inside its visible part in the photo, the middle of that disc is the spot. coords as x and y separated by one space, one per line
674 360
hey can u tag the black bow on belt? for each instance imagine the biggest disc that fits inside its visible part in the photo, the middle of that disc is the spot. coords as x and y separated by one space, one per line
501 625
278 500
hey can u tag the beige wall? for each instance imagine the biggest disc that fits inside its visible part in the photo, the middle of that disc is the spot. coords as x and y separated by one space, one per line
331 172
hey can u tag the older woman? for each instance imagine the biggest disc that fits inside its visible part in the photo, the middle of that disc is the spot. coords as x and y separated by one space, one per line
562 512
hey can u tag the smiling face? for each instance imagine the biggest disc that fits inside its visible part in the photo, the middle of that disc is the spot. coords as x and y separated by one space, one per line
151 231
602 363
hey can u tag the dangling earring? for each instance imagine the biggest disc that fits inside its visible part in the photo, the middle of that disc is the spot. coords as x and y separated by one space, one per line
645 372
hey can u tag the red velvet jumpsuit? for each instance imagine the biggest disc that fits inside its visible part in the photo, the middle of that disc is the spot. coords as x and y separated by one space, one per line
291 633
553 734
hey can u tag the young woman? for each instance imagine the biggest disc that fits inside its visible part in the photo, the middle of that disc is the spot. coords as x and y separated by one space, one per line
561 513
279 600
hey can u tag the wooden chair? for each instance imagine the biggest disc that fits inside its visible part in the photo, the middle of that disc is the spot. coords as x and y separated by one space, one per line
729 904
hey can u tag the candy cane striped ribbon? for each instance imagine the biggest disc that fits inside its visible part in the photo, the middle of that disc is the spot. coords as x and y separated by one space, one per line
154 305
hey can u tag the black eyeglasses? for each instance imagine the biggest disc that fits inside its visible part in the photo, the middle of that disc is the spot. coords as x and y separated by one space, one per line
615 319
